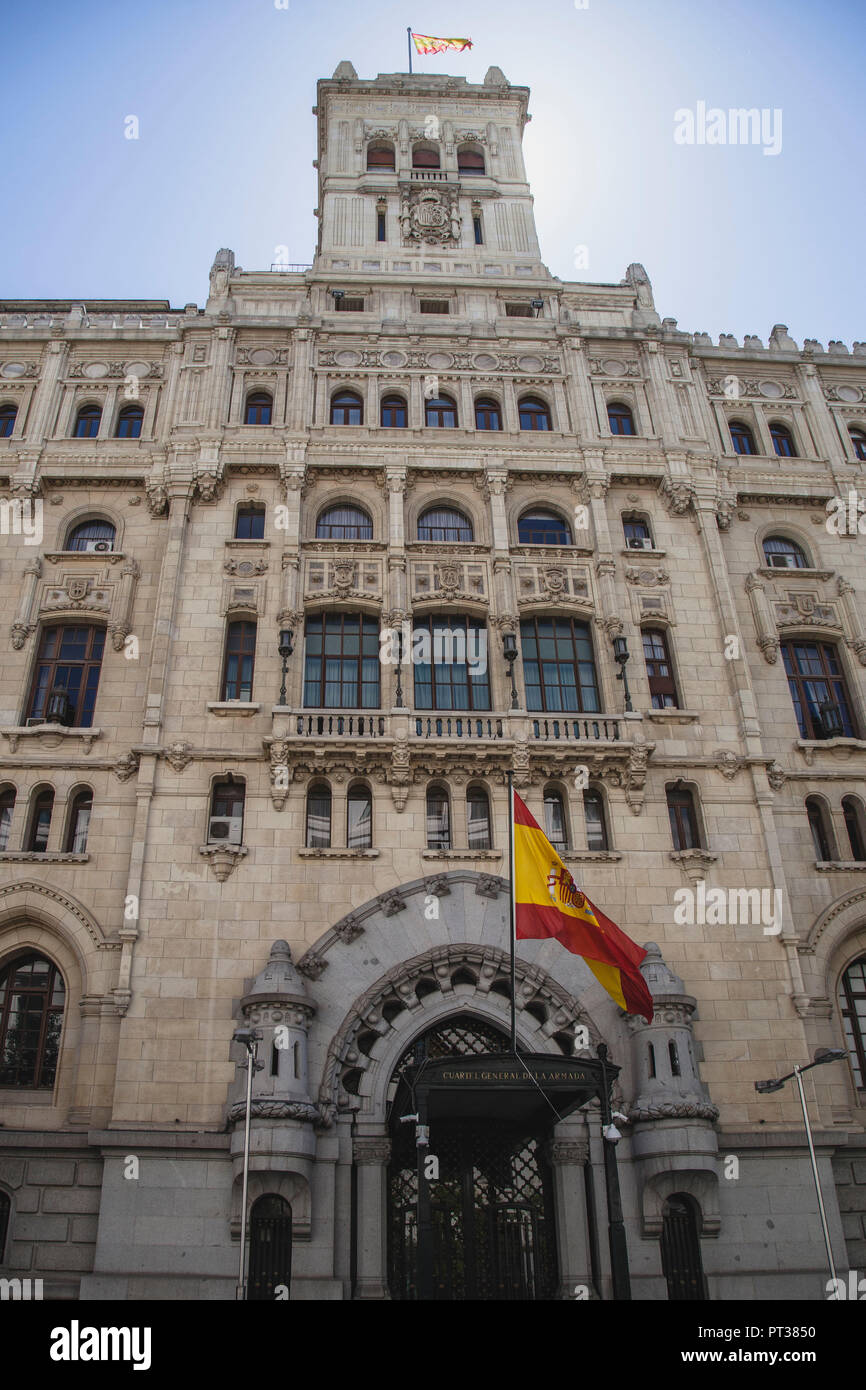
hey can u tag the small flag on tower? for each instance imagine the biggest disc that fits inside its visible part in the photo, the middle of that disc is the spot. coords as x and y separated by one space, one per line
547 903
425 43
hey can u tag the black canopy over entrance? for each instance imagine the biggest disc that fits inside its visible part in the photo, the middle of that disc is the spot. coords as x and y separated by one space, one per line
485 1224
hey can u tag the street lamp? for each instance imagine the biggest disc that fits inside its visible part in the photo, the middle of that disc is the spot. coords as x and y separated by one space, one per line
621 657
537 305
285 647
822 1056
509 651
248 1038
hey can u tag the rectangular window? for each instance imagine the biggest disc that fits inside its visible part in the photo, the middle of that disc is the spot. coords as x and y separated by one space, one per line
380 226
70 659
818 690
341 662
663 692
353 304
558 666
240 659
518 311
434 306
456 676
438 822
476 228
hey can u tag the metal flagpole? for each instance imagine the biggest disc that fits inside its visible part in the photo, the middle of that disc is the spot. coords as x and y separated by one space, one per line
409 41
512 914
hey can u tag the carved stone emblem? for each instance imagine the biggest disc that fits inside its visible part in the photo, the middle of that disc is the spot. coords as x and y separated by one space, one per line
431 216
345 572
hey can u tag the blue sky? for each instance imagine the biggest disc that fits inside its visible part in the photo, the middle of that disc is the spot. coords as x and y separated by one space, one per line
733 240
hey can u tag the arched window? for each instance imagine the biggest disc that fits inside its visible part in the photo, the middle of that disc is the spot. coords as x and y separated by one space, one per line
742 438
394 415
783 441
558 665
660 675
538 527
344 523
818 690
97 535
681 1250
319 816
852 810
240 656
7 420
226 824
359 818
66 677
858 437
822 830
129 422
32 998
450 664
79 821
444 524
270 1258
5 1212
250 523
533 413
259 408
87 422
440 413
555 821
341 661
637 533
380 156
7 809
470 162
478 818
685 831
784 554
620 418
425 157
41 811
488 416
596 826
438 818
347 408
852 1005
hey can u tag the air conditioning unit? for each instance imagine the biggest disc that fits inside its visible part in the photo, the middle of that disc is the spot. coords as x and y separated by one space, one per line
640 543
34 723
226 829
99 547
782 562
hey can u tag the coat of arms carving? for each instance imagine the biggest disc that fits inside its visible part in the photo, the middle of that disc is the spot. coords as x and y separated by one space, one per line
431 215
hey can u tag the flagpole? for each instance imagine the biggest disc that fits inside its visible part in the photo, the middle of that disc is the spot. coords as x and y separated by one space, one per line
512 913
409 41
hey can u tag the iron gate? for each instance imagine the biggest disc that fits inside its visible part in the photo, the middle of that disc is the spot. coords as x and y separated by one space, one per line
681 1251
492 1206
270 1261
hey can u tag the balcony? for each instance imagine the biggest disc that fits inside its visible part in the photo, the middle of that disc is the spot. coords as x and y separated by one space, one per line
459 726
575 728
340 724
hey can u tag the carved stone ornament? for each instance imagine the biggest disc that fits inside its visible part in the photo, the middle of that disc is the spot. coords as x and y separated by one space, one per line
553 579
645 576
724 515
223 859
208 486
727 762
20 633
345 574
157 499
447 579
398 772
392 903
635 777
178 755
776 776
126 766
430 216
678 496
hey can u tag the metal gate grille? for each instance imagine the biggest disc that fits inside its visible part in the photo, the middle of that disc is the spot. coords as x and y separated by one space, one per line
681 1252
270 1258
492 1207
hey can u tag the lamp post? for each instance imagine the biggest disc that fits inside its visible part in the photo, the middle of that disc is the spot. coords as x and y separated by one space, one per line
249 1038
620 1279
58 708
621 657
337 295
822 1056
509 651
285 648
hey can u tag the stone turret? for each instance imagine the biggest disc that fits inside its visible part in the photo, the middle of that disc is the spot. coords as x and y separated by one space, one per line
668 1081
278 1007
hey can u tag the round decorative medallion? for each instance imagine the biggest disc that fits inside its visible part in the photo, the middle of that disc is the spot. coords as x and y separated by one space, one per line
136 368
613 367
440 360
95 370
394 359
347 358
528 363
771 389
14 369
262 357
484 362
849 393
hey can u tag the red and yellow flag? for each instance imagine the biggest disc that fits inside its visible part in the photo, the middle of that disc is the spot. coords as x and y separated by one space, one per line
425 43
548 903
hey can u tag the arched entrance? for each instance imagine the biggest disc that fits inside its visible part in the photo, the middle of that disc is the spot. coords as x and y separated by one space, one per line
681 1249
270 1258
492 1205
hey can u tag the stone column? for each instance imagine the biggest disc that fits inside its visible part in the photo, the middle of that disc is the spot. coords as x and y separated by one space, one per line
568 1154
47 394
372 1154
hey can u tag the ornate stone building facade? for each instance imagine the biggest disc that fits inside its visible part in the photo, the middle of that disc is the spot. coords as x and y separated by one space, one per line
423 432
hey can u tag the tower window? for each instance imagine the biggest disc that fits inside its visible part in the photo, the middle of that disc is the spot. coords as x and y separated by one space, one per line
380 226
620 418
477 231
259 409
250 523
683 818
32 998
434 306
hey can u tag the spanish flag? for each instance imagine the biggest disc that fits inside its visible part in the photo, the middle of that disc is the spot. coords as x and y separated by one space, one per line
425 43
548 903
